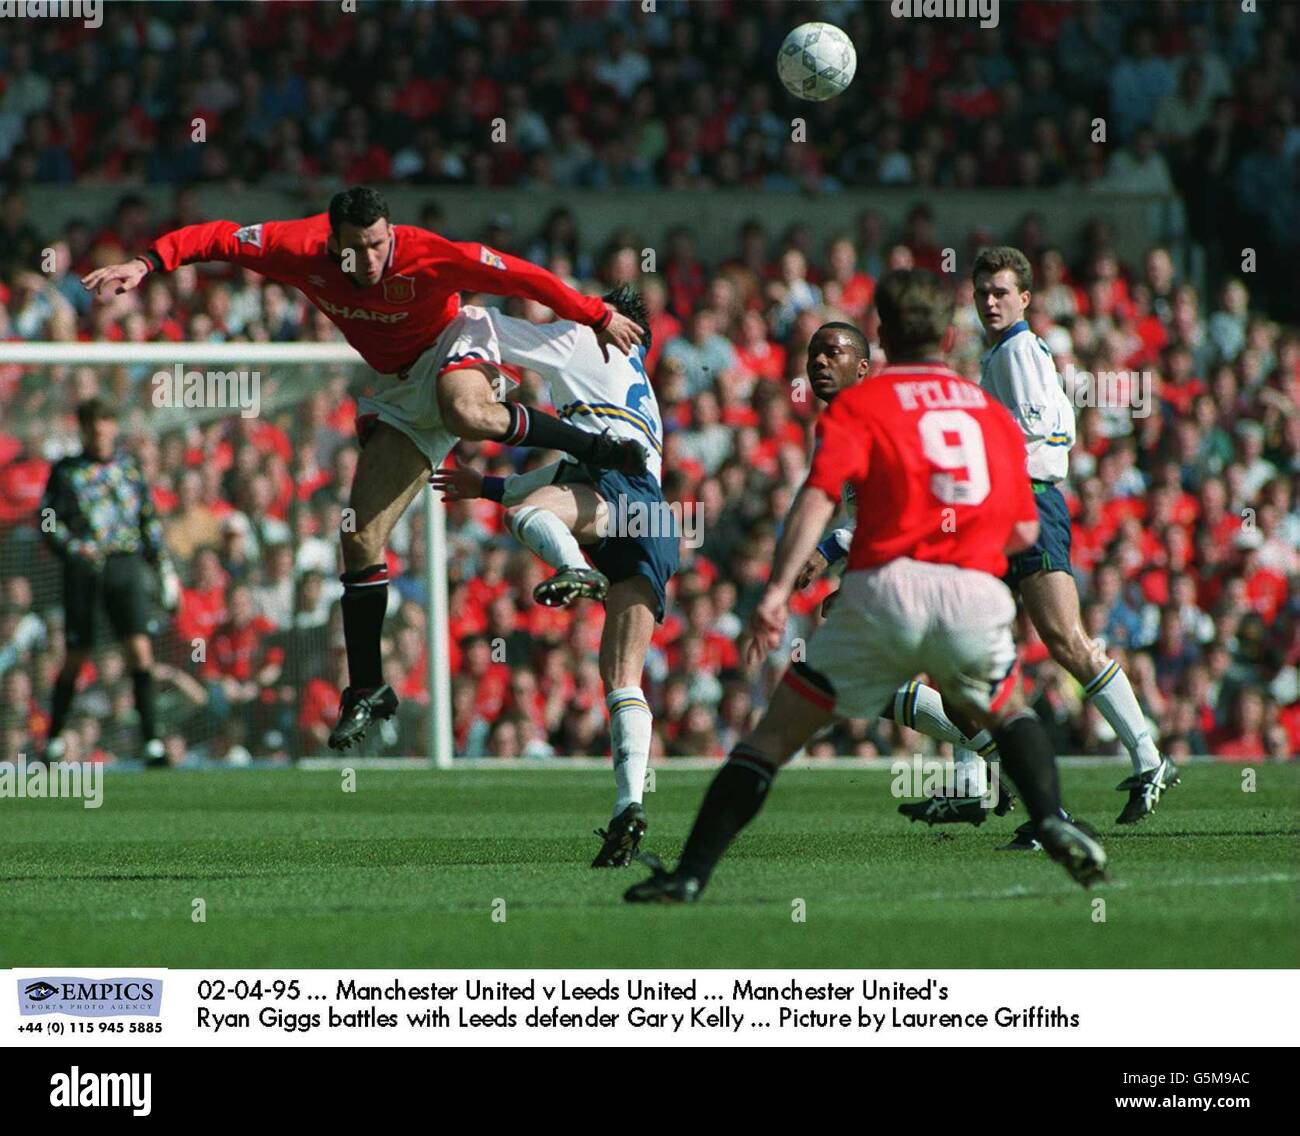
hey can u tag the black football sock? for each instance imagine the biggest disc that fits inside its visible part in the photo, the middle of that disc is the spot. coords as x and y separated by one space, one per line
532 427
142 688
1026 754
365 599
733 800
65 689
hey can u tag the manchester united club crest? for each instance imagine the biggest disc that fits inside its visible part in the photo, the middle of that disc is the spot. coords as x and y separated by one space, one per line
399 289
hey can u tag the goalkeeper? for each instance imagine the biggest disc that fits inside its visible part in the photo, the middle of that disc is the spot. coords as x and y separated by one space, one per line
99 519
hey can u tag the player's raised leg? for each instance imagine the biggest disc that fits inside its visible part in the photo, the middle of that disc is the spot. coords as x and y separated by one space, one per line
1051 600
801 705
554 521
629 627
472 407
390 472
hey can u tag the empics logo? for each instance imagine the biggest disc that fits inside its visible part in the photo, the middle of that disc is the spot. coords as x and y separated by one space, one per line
90 997
39 991
75 1089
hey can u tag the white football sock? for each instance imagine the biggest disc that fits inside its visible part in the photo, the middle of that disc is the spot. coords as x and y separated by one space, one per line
630 722
970 774
1114 697
919 707
548 536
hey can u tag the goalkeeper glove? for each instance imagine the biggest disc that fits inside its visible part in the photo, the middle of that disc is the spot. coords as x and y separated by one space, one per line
170 591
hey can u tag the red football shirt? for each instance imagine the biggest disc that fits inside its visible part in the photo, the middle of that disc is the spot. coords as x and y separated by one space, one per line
393 322
937 465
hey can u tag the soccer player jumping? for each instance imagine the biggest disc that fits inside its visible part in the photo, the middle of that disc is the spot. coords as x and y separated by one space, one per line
394 292
938 471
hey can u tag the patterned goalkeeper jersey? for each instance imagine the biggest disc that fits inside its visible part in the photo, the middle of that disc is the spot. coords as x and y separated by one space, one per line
100 507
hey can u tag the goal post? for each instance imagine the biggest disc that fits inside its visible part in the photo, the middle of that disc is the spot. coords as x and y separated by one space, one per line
248 380
435 544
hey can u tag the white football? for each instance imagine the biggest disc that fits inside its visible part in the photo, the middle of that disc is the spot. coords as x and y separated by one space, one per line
816 62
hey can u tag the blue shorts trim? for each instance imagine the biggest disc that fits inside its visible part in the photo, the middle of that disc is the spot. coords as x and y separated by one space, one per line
638 504
1051 551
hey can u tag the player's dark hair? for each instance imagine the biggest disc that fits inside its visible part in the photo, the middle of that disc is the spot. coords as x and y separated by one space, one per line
995 259
915 310
854 336
360 206
627 301
94 410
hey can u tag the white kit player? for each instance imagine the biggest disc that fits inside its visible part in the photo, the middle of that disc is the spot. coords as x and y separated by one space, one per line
567 507
1019 372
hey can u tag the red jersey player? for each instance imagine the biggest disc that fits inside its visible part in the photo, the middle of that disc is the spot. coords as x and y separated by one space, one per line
394 292
937 468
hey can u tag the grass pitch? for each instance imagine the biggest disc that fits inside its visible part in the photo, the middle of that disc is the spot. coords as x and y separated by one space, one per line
407 872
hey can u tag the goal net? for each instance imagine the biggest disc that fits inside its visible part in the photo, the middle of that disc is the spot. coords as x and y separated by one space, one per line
248 450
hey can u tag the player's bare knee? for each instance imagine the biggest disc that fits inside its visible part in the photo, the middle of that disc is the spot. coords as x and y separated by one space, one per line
470 412
363 547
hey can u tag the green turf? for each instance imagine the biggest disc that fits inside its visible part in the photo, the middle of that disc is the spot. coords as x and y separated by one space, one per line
404 872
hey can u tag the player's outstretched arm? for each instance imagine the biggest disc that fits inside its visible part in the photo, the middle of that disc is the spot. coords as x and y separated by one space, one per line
246 245
466 483
114 279
478 268
813 509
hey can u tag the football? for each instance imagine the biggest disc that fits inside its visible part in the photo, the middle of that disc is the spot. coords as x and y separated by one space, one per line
816 62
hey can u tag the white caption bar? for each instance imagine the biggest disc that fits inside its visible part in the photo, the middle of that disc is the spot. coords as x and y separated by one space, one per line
710 1007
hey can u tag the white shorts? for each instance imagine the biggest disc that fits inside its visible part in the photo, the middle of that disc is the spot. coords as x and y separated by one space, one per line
409 402
908 617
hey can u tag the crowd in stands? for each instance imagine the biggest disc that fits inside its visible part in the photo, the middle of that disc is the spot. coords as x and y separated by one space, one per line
1186 525
1186 520
1196 95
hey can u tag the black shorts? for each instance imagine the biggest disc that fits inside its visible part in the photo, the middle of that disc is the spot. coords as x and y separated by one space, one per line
655 552
123 590
1051 551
